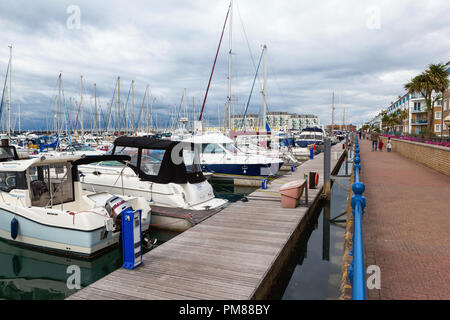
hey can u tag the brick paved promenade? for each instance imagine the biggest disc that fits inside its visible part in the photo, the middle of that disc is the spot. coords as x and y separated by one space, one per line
406 226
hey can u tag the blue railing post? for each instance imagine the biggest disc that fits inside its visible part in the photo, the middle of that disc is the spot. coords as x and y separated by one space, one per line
356 270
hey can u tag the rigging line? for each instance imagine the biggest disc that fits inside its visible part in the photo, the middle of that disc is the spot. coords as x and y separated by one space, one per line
108 117
246 39
273 74
214 65
125 109
251 91
4 89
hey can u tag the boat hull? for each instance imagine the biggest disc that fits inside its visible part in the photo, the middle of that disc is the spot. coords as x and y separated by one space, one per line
66 241
244 169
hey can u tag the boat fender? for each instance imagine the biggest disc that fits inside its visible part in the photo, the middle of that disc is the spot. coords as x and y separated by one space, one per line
14 228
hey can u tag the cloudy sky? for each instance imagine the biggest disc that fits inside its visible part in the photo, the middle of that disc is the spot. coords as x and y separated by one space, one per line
363 51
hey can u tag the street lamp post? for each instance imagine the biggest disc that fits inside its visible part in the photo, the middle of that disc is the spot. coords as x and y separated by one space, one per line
447 123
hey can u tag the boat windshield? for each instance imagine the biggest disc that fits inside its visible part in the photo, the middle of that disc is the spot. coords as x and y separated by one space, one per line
151 161
129 151
50 185
232 148
309 137
6 153
212 148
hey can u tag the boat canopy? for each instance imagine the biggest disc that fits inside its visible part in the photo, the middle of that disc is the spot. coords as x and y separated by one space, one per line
8 153
161 160
312 129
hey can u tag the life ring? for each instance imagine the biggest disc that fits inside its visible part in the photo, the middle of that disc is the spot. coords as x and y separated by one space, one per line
313 179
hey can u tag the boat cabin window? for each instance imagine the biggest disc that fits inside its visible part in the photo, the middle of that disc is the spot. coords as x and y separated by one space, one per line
7 153
151 161
308 136
231 147
110 163
129 151
191 159
212 148
12 180
50 185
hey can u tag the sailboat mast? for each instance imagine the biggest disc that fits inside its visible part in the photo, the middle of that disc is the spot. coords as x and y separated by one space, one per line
81 106
118 106
229 63
59 105
8 126
264 90
132 106
148 98
332 114
96 126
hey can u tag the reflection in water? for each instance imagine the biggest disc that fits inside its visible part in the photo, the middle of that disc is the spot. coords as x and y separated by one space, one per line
326 231
316 271
28 274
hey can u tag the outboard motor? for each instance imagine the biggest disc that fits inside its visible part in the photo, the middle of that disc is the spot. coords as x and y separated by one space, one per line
115 206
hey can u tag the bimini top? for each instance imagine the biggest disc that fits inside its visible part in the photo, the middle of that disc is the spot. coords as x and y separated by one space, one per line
146 142
312 129
161 160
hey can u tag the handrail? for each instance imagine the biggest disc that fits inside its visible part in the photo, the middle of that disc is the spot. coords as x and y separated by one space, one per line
357 269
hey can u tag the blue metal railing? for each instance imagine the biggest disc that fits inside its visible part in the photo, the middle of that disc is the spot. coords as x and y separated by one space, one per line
356 272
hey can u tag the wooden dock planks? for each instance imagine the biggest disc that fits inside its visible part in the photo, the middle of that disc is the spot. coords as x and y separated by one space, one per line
231 255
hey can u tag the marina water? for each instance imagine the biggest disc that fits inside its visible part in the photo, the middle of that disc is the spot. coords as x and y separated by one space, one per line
315 273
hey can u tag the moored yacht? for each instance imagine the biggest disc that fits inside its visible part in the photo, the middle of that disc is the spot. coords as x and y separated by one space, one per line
220 155
42 205
310 136
166 173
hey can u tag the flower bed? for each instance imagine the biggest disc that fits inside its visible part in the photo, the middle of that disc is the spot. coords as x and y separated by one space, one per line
414 139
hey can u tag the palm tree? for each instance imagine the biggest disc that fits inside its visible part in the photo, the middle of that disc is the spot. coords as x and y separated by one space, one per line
424 84
385 121
402 116
438 74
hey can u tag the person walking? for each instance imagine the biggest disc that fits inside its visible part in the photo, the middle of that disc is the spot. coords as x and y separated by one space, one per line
374 136
360 134
380 144
389 145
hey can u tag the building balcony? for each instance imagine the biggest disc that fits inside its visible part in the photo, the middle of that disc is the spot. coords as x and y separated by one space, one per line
416 96
419 122
418 111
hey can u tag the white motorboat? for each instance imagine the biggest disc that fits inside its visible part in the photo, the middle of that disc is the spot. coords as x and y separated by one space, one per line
311 136
42 205
267 146
179 194
220 155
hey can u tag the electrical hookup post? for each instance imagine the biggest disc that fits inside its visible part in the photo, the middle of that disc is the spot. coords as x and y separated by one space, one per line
131 238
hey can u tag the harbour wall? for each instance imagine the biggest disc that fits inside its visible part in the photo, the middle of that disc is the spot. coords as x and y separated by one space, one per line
435 157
